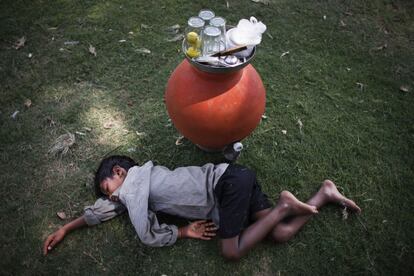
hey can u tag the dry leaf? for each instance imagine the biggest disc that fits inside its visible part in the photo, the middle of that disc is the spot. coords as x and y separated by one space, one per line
369 199
342 23
88 129
405 88
62 144
27 103
379 48
344 214
30 55
264 2
360 85
176 38
264 117
284 131
131 150
269 35
143 26
108 125
227 4
61 215
140 133
131 33
80 133
143 51
179 140
121 40
50 121
284 54
92 50
70 43
14 115
300 125
20 43
174 29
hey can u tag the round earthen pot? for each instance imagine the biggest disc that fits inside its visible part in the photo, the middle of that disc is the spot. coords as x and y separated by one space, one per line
213 110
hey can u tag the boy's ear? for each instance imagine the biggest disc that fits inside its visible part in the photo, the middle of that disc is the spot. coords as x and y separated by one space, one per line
118 170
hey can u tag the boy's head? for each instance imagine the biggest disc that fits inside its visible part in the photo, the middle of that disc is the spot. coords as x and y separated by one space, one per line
111 174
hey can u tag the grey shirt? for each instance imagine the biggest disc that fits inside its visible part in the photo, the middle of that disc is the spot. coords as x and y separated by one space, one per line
186 192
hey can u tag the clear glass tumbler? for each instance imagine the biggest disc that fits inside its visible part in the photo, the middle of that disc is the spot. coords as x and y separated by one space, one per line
195 24
193 34
206 15
211 40
220 22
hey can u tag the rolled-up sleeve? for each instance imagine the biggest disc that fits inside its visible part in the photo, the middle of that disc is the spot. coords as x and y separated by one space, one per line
103 210
149 231
135 195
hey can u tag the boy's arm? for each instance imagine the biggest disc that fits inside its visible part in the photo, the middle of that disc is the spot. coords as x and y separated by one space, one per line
103 210
56 237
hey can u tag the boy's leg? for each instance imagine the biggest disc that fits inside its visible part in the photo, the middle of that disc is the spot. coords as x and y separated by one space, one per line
234 248
328 193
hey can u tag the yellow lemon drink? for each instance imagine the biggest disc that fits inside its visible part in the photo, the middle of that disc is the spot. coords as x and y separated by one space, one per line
192 38
193 52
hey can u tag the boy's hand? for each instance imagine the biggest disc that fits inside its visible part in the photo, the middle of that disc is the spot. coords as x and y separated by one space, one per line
53 239
199 230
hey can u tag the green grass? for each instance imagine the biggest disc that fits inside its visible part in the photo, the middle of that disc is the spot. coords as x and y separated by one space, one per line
361 138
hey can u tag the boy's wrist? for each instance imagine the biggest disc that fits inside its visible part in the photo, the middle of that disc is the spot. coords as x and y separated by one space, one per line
61 232
181 233
64 229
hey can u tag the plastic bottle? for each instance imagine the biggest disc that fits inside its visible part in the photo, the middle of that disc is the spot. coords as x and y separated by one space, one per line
232 151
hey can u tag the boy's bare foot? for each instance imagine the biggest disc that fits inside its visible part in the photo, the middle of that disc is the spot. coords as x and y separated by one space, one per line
293 206
331 193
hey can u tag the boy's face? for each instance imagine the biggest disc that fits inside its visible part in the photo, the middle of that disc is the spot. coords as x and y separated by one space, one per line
110 184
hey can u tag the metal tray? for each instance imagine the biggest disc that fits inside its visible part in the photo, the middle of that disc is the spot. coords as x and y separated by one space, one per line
218 69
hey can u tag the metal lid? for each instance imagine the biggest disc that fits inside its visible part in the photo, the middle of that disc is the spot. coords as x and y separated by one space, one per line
195 22
212 31
206 14
218 21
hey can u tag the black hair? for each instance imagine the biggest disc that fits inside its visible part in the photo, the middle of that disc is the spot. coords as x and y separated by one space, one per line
105 169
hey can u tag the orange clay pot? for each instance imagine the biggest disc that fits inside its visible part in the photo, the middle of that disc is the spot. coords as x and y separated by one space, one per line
213 110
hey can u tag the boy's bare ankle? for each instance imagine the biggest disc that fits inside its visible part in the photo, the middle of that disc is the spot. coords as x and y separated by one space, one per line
327 190
331 194
292 206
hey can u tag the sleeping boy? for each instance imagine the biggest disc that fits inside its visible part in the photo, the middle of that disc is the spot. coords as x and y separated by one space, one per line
225 199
